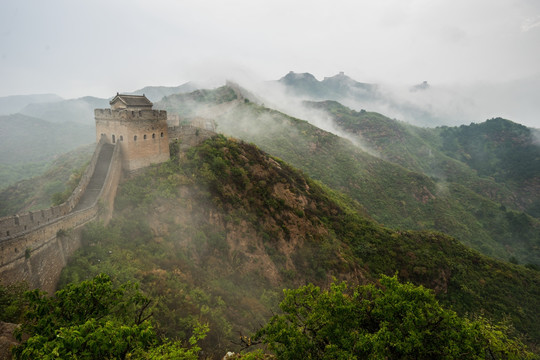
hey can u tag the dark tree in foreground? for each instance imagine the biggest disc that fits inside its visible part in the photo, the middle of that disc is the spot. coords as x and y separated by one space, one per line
390 321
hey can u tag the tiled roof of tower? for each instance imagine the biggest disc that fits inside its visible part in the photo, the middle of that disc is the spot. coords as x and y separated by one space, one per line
132 100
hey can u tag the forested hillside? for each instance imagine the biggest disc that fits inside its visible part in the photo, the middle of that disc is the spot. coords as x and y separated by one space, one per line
409 184
502 150
498 158
217 232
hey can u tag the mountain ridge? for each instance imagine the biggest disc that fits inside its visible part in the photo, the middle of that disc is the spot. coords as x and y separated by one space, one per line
156 93
227 226
334 87
395 196
216 232
15 103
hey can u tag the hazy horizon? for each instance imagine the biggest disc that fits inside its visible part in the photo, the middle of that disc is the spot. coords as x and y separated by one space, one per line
94 48
98 48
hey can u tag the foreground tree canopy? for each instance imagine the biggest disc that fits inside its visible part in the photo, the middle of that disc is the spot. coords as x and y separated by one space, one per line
390 321
96 320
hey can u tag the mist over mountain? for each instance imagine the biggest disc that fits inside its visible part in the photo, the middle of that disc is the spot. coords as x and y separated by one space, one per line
28 144
40 183
15 103
338 86
216 233
79 111
422 104
495 151
41 127
156 93
331 192
399 173
516 100
391 100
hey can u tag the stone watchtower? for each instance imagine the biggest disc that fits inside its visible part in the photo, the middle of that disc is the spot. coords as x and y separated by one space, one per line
140 131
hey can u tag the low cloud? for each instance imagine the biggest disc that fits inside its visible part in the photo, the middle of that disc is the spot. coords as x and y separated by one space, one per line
530 23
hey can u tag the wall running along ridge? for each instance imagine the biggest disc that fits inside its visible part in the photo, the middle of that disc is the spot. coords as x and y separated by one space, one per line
36 245
188 136
13 226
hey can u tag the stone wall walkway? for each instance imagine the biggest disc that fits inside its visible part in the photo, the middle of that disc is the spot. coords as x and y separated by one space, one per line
98 178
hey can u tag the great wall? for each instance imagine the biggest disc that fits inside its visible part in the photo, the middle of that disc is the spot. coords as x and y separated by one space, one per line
35 246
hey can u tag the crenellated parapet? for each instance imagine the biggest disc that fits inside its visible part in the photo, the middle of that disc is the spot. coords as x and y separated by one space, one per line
126 115
140 130
40 242
35 246
13 226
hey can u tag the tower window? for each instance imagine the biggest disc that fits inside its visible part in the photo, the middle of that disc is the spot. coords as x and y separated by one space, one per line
161 134
153 136
135 138
121 138
113 139
144 137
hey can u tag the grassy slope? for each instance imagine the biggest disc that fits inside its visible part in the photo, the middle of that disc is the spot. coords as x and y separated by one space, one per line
391 194
217 234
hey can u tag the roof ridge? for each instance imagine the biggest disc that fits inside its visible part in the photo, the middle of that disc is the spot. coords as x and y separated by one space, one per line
132 100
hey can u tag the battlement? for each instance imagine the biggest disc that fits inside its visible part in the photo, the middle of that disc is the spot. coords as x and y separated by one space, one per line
140 130
126 114
35 246
13 226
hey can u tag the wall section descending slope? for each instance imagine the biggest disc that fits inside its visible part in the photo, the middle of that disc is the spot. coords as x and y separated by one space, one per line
37 245
11 226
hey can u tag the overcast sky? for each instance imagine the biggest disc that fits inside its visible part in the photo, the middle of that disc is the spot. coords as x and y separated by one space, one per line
75 48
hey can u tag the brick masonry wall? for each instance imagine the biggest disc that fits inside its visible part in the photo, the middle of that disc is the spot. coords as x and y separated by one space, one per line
142 135
13 226
39 255
189 136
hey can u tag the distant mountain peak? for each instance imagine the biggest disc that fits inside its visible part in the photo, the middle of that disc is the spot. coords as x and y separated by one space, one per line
293 76
156 93
340 79
424 85
339 76
333 87
15 103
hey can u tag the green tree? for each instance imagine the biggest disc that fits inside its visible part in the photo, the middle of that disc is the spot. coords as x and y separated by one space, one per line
12 301
390 321
95 320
